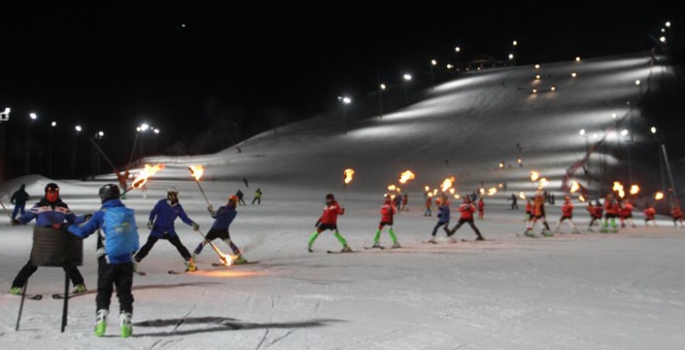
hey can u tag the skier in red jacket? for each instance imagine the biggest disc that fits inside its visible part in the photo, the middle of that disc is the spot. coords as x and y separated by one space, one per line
481 208
611 210
650 215
387 215
429 205
627 214
329 221
596 214
677 215
567 215
529 210
466 209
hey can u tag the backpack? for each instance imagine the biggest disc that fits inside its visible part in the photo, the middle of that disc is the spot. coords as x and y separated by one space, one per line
121 233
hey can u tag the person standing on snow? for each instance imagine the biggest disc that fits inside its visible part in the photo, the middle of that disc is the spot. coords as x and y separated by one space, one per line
405 201
429 206
566 215
514 201
223 218
677 215
443 218
627 214
611 210
117 240
240 196
481 208
650 215
19 199
161 224
398 202
50 211
387 214
329 221
257 197
466 209
538 216
245 181
529 210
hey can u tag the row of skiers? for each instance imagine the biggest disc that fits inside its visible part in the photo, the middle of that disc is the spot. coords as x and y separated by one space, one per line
118 250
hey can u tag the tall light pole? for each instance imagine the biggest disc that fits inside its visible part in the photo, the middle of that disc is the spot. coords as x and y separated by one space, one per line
51 131
94 156
344 101
77 131
512 55
433 64
4 117
32 117
381 90
407 78
154 142
457 50
584 135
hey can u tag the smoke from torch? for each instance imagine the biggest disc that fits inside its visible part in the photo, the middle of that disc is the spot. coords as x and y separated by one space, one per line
407 176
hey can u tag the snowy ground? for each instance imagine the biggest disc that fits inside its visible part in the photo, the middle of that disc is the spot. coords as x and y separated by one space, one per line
590 291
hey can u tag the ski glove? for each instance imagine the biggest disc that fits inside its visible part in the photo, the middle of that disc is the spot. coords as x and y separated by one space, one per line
196 227
87 217
150 224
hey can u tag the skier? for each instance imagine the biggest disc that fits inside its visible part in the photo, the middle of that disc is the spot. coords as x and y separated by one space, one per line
610 212
443 218
398 202
223 218
19 199
677 215
329 221
466 209
405 201
650 215
161 224
627 214
597 215
50 211
567 215
257 197
117 240
429 205
529 210
591 210
240 195
538 216
245 181
387 213
514 201
481 208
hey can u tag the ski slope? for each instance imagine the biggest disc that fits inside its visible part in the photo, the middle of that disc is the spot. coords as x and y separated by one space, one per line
588 291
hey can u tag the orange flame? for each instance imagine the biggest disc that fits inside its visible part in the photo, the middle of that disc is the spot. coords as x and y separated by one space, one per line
634 189
482 191
534 176
492 191
522 195
392 188
349 175
430 194
575 186
543 183
196 171
500 185
435 192
144 174
618 187
581 198
447 184
406 176
427 189
659 196
452 190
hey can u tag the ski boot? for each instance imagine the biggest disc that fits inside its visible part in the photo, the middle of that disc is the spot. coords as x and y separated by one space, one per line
346 249
101 323
480 238
190 265
431 240
396 245
80 289
451 239
547 233
376 245
15 290
239 260
309 248
604 230
126 327
575 231
529 233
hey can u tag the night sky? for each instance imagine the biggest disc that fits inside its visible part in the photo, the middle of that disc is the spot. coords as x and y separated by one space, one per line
112 65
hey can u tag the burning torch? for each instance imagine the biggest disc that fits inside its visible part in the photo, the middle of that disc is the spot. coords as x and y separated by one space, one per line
143 176
196 171
348 176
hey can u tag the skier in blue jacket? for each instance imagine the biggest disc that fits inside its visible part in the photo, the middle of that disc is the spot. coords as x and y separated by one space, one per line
161 223
223 218
115 265
443 218
51 212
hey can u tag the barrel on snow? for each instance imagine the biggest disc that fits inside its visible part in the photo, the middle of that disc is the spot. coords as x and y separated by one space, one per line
56 248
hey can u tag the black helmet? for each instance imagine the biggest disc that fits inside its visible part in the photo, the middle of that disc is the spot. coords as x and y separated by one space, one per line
330 196
108 192
51 187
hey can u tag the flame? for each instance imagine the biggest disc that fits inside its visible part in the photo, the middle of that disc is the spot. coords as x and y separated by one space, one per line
501 165
492 191
399 190
543 183
456 196
618 187
447 184
482 191
534 176
522 195
575 186
520 160
452 190
659 196
430 195
581 198
349 175
392 187
634 189
500 185
427 189
435 192
144 174
196 171
406 176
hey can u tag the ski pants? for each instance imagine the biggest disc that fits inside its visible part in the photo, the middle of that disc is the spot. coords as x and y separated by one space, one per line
111 276
29 269
444 225
151 240
17 209
467 221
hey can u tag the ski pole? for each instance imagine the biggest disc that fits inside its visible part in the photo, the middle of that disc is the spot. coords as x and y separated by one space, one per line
5 209
197 181
221 255
21 304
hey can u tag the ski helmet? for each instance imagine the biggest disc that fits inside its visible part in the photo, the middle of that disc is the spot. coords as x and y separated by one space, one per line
330 196
53 187
109 192
52 192
233 201
172 195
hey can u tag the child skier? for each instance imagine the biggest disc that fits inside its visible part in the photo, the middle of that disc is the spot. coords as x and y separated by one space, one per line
329 221
650 215
443 218
405 201
161 224
538 216
677 215
567 215
117 240
398 203
529 210
627 214
223 218
257 197
611 210
429 205
481 208
387 213
466 209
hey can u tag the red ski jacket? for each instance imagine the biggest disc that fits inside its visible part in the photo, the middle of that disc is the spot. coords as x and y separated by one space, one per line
676 213
330 214
387 212
599 211
627 210
481 206
467 211
429 202
567 210
611 207
529 207
650 213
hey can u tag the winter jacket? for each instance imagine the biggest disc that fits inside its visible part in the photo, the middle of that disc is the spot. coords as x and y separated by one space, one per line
676 213
481 206
387 212
405 200
163 215
567 210
467 211
48 214
650 213
20 197
330 214
529 208
599 211
97 223
444 214
627 210
429 202
223 218
610 206
539 207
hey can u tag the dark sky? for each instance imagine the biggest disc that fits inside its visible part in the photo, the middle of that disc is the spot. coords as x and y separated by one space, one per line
112 65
